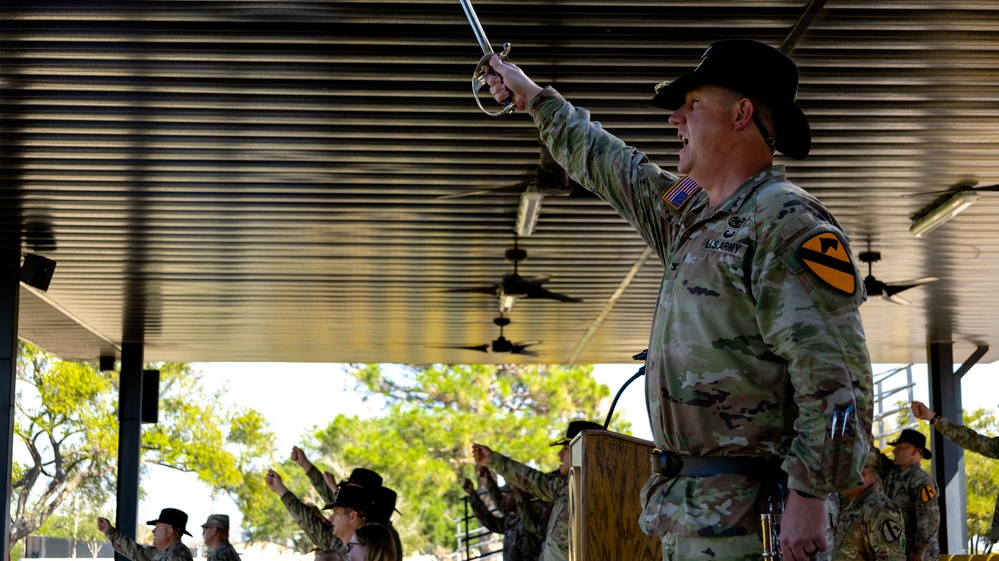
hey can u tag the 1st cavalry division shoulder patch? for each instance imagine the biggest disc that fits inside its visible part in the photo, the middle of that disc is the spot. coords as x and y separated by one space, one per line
927 493
826 256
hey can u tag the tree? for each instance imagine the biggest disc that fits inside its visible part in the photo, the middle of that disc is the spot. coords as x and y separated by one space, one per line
421 445
66 422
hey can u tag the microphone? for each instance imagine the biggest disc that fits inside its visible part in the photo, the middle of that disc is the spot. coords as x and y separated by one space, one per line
641 371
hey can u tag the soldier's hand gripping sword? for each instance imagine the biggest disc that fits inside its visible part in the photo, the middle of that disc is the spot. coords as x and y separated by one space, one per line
480 74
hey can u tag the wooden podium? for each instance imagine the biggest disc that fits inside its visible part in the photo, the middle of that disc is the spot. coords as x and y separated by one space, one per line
608 472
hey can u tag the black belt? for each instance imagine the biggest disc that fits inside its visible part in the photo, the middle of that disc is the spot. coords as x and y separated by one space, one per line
668 464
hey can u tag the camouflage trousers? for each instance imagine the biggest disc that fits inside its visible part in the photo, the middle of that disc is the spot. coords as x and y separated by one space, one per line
733 548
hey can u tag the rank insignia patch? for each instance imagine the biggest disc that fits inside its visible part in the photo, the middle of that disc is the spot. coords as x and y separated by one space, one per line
927 493
680 192
826 256
891 531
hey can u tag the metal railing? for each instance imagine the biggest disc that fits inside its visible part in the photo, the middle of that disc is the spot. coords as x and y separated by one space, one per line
474 540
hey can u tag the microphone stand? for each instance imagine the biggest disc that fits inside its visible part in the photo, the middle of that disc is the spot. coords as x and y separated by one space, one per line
639 374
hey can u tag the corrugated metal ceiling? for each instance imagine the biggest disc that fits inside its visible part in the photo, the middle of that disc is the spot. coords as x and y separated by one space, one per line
262 181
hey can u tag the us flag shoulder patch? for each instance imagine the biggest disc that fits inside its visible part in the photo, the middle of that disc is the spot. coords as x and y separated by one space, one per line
677 195
826 256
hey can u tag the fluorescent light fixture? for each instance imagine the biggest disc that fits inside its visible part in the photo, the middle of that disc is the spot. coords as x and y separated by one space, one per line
941 213
528 212
506 301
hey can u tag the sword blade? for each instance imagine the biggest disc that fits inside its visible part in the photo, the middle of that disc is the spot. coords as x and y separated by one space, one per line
480 34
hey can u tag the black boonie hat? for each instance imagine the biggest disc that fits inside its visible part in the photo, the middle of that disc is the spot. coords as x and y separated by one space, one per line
172 517
753 69
364 478
575 427
916 439
357 498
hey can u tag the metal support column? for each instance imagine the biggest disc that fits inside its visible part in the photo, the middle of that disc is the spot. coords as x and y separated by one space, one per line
129 439
948 458
10 288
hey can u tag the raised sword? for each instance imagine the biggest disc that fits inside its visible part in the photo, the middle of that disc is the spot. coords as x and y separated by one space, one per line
480 75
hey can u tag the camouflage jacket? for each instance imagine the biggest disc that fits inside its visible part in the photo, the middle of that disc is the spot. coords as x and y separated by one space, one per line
127 547
319 529
915 493
974 442
552 487
764 377
224 552
869 528
515 536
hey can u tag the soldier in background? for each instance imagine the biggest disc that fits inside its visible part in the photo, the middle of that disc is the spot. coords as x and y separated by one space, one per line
757 354
512 504
215 532
547 486
869 526
916 494
167 532
308 517
968 439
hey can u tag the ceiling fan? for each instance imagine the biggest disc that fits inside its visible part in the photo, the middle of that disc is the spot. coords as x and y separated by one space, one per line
888 291
513 286
501 344
549 180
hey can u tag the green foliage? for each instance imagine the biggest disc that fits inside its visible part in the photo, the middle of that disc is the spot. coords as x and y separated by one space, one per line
67 421
982 479
422 443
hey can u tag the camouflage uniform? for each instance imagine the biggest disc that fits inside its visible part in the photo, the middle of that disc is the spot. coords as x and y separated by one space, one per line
319 529
518 543
750 352
127 547
915 492
224 552
553 487
869 528
974 442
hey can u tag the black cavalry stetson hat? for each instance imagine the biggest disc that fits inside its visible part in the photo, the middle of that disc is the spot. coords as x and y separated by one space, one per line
575 427
364 478
916 439
756 70
357 498
172 517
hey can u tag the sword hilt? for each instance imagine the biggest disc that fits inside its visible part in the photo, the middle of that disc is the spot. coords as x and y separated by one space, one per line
479 78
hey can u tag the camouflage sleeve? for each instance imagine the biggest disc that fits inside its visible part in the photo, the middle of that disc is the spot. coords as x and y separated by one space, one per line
318 530
603 164
817 329
496 496
492 522
530 517
127 547
319 484
546 486
927 505
968 439
886 534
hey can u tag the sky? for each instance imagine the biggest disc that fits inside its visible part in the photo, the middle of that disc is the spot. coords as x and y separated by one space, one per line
275 389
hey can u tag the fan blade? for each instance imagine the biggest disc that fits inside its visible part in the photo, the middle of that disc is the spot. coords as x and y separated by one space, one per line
515 188
480 348
525 352
894 288
476 289
539 292
897 299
